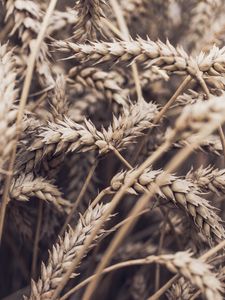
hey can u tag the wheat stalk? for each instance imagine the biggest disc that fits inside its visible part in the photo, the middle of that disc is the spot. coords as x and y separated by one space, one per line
8 95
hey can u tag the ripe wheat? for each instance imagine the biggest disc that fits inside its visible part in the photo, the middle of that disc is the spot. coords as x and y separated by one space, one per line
92 87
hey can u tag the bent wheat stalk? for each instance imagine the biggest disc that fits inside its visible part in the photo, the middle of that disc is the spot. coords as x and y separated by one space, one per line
196 271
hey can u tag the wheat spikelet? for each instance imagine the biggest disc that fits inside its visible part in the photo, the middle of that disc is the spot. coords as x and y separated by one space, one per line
58 99
209 179
86 105
180 290
182 193
196 271
105 82
133 9
64 252
217 35
152 75
139 285
89 14
27 16
8 94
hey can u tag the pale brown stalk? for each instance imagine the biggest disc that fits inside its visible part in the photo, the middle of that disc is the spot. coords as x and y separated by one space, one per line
8 112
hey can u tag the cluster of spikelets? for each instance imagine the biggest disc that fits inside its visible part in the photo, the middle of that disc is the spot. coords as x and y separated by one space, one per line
112 150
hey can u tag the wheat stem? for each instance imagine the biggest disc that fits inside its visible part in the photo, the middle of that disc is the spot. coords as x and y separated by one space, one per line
79 198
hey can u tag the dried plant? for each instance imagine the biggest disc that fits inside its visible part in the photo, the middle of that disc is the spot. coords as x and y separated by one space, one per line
89 88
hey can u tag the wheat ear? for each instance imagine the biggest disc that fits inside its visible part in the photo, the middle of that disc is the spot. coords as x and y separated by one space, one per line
89 14
181 192
196 271
204 14
68 136
209 179
58 99
63 253
105 82
25 187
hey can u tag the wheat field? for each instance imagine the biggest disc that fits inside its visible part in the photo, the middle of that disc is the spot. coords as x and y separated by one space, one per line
112 149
